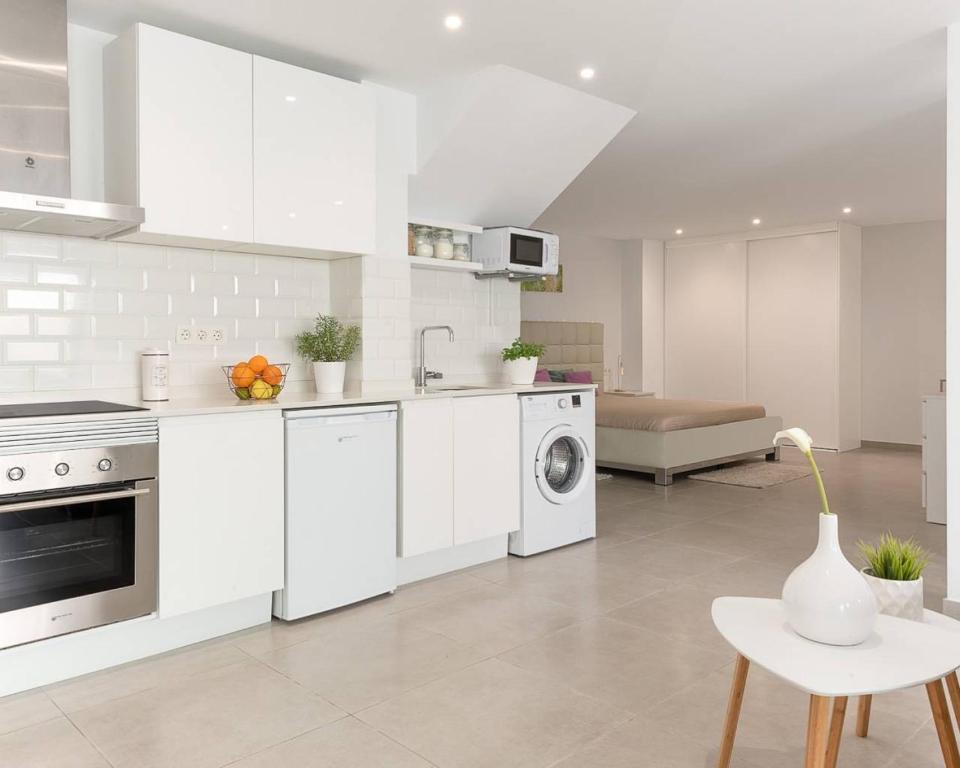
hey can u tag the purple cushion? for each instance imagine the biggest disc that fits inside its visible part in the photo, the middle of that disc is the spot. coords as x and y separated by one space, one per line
542 375
578 377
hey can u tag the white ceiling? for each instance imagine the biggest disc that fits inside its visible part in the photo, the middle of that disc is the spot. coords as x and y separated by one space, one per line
783 109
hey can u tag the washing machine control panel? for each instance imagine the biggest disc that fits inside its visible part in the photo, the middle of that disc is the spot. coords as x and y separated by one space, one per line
576 401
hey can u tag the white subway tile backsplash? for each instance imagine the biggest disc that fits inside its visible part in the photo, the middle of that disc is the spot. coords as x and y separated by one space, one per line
22 298
236 306
235 263
89 251
62 274
90 301
161 326
31 351
25 245
63 325
270 307
16 272
64 377
256 328
135 255
190 260
191 305
119 326
276 266
292 288
107 277
14 325
115 376
16 379
144 304
91 350
169 281
256 285
215 284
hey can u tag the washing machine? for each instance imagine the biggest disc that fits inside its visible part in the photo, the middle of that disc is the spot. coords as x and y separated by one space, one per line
557 468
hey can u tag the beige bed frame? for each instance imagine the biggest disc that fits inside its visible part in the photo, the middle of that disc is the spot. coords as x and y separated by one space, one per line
662 454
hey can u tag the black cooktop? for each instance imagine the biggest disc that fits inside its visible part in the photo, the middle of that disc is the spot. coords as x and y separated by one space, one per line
77 407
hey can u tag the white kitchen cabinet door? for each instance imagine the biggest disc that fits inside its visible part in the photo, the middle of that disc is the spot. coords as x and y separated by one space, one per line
177 122
793 332
426 476
486 470
705 321
221 509
314 176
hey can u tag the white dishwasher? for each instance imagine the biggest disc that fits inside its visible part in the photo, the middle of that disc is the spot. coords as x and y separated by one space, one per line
341 508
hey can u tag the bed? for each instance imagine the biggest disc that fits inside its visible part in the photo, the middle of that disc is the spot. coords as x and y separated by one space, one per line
651 435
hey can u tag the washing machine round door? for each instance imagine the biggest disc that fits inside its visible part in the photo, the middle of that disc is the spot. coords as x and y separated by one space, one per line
562 465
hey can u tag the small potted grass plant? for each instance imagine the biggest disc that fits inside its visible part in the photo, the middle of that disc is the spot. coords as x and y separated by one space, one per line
520 361
894 572
328 346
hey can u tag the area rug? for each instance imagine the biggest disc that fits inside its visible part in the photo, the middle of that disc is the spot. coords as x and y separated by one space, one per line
754 474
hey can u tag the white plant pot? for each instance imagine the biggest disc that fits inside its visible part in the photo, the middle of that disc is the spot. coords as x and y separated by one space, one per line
903 599
522 371
329 377
826 599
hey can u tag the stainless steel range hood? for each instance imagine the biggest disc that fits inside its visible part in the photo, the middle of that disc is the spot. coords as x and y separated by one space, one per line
35 130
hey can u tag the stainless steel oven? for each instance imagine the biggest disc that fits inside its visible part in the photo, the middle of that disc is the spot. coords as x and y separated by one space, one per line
78 525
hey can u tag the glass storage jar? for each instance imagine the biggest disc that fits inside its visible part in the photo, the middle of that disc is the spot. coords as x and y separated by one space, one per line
443 244
461 251
423 244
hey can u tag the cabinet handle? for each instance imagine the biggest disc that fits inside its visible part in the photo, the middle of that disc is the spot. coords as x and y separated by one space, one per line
343 438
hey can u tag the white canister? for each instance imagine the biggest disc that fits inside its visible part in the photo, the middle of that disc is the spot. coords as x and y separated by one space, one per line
154 375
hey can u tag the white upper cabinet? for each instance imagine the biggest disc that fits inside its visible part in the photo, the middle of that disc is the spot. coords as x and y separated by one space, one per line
178 135
314 160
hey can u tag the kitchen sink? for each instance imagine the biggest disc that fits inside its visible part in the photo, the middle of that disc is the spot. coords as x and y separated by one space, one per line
455 387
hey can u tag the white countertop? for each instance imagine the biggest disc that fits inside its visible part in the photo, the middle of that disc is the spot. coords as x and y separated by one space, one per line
226 402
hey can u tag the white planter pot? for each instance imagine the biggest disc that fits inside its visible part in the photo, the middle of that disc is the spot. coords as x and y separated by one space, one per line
826 599
903 599
329 377
521 371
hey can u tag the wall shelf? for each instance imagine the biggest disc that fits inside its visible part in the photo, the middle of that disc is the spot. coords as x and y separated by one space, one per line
472 229
445 265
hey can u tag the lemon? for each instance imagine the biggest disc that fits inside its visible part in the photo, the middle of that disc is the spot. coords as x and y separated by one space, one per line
243 393
260 390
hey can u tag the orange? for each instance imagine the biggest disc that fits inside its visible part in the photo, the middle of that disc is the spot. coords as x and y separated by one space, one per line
258 363
242 375
272 375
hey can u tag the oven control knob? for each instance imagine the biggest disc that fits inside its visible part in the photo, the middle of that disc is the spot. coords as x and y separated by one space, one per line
62 468
104 465
562 403
15 473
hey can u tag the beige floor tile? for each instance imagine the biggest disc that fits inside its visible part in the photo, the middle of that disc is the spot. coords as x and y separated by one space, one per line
25 709
706 534
355 669
53 744
492 619
746 577
100 687
661 559
347 743
643 742
631 667
495 715
207 720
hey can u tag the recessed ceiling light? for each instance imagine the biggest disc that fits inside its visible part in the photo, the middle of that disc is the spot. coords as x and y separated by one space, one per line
292 215
291 98
453 22
848 209
587 73
678 231
224 227
338 202
756 222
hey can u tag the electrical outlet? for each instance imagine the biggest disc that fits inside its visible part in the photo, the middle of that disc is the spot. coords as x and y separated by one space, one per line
202 335
184 334
218 335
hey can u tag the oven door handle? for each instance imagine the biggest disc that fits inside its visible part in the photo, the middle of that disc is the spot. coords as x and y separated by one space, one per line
23 506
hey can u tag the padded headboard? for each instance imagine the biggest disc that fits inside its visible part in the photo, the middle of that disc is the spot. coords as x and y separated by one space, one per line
578 346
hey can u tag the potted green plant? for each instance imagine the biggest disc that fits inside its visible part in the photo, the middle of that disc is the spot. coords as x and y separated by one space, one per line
520 361
328 346
894 571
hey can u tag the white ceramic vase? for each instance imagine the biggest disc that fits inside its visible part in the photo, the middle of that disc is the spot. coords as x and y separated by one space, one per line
329 377
521 371
826 599
903 599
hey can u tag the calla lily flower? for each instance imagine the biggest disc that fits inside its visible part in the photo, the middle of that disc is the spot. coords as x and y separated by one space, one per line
804 442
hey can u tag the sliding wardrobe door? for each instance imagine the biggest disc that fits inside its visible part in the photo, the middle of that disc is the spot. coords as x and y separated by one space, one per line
705 321
792 331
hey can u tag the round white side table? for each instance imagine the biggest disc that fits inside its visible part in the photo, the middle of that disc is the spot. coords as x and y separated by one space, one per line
899 654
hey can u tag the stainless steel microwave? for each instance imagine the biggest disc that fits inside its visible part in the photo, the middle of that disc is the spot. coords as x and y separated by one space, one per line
513 249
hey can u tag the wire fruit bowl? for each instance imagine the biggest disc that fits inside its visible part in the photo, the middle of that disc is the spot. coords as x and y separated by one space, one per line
265 385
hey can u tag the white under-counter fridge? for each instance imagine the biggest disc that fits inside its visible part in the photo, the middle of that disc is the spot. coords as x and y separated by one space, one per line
340 508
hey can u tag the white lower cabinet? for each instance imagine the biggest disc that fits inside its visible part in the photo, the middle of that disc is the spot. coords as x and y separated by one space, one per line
221 509
459 471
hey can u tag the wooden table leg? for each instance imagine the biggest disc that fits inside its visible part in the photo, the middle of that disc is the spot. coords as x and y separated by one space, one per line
734 703
818 724
836 731
863 715
953 687
941 718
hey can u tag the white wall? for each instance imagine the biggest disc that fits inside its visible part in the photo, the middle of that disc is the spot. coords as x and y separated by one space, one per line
485 317
904 318
591 292
952 281
75 313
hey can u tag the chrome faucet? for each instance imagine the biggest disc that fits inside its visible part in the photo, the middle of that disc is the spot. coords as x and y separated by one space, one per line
423 374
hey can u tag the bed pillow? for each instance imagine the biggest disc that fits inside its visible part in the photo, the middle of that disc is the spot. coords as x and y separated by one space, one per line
578 377
558 376
542 375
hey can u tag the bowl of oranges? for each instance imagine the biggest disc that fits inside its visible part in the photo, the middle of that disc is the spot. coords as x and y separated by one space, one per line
256 378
